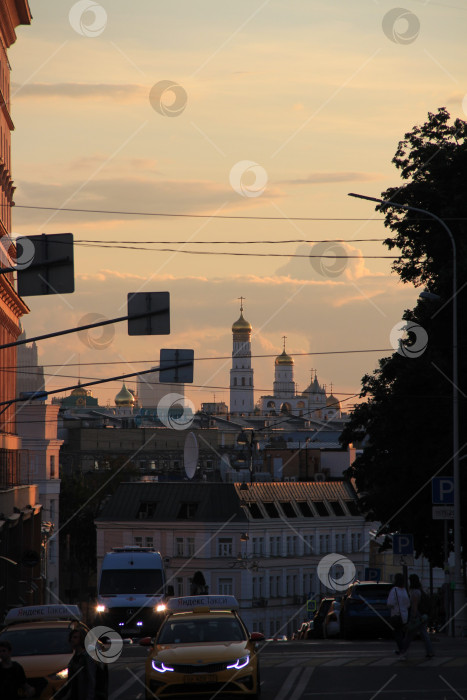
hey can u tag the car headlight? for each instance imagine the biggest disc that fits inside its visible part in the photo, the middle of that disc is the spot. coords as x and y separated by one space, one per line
60 675
240 663
160 666
100 608
160 607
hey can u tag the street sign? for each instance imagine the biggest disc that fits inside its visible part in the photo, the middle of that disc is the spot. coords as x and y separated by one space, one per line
402 544
443 512
372 574
154 311
311 605
179 364
44 264
442 490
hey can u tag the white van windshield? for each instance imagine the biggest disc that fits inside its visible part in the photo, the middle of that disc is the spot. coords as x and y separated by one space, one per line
121 581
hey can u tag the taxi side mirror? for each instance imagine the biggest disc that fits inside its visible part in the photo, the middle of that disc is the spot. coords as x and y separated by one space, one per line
257 637
145 641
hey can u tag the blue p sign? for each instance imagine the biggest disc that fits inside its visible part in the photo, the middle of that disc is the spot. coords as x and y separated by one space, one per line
372 574
402 544
442 490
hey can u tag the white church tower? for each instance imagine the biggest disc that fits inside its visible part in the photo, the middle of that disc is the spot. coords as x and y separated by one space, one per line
241 374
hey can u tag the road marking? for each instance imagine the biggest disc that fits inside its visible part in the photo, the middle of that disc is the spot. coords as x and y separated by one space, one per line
126 685
387 661
288 683
302 683
337 662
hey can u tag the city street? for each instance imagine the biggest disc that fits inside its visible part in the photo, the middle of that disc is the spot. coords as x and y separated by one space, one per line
307 669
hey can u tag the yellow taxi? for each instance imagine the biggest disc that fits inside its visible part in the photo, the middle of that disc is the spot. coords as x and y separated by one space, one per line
38 635
203 647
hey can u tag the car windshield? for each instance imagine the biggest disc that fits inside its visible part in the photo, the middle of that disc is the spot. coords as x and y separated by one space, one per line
33 642
220 629
120 581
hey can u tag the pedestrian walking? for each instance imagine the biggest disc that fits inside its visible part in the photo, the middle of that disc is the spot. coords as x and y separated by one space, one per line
87 679
398 603
418 617
12 676
198 584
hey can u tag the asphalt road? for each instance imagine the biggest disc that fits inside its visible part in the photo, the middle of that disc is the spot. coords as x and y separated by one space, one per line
334 669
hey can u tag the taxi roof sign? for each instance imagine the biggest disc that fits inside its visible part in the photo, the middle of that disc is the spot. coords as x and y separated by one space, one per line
34 613
210 602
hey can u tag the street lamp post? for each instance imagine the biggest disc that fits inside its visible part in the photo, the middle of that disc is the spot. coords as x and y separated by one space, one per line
458 580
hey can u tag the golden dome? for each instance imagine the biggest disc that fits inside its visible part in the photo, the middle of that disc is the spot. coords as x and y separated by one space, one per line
284 359
332 402
79 391
124 397
241 325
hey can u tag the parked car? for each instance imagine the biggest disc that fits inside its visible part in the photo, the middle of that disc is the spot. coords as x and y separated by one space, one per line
331 624
364 610
319 617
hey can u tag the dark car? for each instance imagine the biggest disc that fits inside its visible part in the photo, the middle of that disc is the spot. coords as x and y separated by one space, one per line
364 610
319 617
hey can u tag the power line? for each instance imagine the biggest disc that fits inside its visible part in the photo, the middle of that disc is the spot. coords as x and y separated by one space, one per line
194 216
202 359
250 255
240 242
212 216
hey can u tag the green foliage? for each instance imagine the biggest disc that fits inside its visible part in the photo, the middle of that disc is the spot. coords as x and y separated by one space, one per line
407 415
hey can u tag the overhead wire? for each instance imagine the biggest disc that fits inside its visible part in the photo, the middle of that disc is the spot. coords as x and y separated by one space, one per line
211 216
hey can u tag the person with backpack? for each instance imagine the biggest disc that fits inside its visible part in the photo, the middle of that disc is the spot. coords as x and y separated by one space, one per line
419 609
87 678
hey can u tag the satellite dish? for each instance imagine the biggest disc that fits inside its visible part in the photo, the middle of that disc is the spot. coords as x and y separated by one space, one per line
190 455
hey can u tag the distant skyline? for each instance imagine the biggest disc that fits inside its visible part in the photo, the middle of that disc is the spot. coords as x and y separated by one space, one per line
316 96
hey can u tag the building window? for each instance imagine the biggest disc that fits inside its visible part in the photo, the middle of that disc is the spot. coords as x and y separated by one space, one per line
235 381
146 509
179 586
258 545
187 511
308 544
224 547
138 541
52 510
52 466
191 546
340 543
288 584
356 541
278 586
272 587
225 586
149 542
179 547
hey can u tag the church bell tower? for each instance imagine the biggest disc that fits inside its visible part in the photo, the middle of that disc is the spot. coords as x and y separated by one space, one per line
241 374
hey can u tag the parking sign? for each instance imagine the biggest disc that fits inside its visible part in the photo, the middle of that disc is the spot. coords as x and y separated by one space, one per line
442 490
402 544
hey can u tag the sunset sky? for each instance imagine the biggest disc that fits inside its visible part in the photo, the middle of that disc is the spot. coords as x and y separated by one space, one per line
316 94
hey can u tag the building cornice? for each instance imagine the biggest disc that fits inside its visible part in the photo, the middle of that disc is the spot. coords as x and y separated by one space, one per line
12 14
